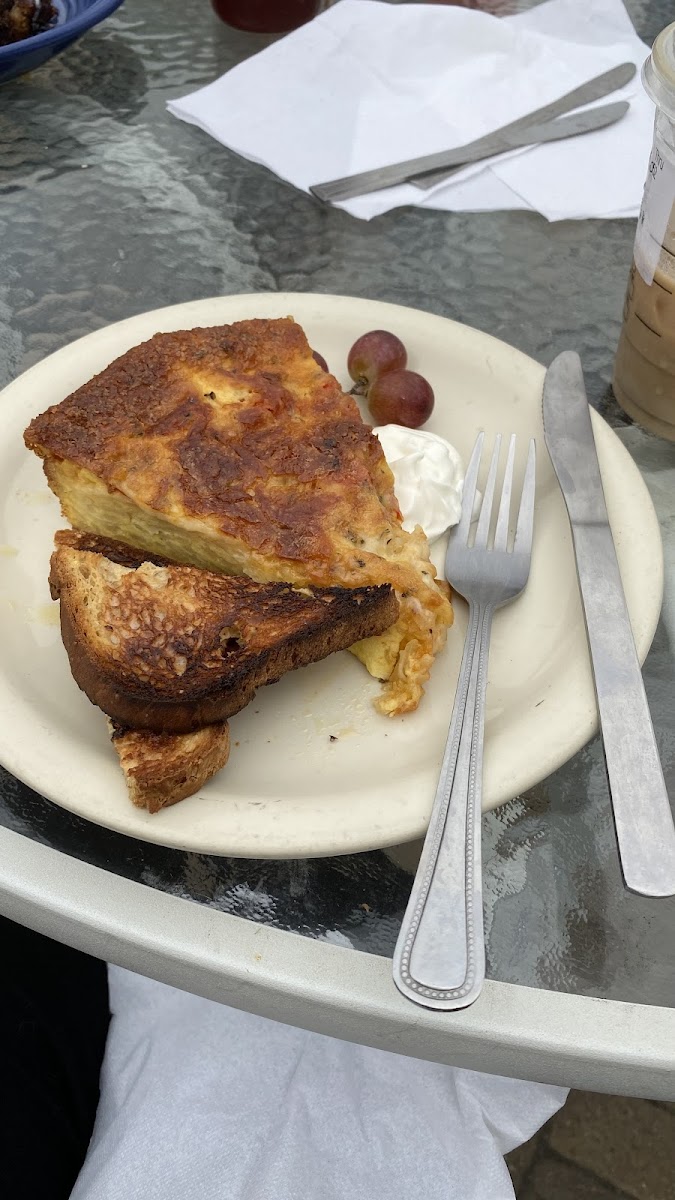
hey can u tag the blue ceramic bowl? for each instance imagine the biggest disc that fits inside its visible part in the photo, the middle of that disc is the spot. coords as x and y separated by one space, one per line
74 17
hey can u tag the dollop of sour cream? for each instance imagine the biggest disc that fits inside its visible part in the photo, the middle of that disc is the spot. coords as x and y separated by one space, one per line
428 477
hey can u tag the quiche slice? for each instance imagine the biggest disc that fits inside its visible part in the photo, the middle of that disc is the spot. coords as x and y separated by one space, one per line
229 448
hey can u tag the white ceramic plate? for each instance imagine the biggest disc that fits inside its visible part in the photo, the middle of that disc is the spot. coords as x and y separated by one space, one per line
289 790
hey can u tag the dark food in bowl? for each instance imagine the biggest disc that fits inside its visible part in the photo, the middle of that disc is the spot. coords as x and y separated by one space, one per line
21 19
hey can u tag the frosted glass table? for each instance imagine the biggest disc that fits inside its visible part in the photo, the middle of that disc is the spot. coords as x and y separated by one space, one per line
109 207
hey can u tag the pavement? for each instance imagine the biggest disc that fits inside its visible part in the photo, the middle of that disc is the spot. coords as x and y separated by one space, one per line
599 1148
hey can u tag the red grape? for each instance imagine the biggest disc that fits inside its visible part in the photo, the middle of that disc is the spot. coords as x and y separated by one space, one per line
319 358
401 398
373 355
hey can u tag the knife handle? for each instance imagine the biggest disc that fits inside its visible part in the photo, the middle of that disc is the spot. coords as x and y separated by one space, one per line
642 813
594 89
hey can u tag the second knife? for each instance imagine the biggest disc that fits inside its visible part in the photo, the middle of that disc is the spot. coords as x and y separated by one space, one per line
517 133
595 89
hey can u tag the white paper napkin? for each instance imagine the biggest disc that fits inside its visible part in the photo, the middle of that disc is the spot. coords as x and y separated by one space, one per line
202 1102
370 83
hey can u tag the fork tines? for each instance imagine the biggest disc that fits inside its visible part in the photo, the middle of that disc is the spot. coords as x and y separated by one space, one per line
524 522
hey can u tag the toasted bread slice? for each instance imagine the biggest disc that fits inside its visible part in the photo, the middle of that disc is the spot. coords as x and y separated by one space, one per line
174 648
159 768
162 768
230 449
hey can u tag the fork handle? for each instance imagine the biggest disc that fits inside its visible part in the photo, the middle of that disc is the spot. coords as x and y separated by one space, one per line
439 961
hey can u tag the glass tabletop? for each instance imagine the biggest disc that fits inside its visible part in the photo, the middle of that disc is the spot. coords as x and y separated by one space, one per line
111 207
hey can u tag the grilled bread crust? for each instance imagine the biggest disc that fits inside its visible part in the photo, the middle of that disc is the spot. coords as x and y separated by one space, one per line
230 449
117 552
162 768
174 648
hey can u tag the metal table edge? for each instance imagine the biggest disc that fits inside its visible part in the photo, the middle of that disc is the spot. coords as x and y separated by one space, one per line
515 1031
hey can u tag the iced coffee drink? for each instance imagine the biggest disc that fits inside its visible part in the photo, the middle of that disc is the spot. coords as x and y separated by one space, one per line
644 370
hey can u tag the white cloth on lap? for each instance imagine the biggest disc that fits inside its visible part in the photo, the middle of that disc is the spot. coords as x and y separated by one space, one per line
203 1102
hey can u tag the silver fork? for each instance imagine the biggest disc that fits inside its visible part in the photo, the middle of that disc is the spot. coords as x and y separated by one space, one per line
439 960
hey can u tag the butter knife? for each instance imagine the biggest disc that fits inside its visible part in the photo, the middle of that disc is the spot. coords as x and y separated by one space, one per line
510 137
588 93
642 814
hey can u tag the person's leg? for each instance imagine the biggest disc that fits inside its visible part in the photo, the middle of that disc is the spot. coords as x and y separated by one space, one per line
53 1024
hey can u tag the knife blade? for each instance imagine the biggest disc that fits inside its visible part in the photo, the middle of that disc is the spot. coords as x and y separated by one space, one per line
564 127
588 93
508 138
642 814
